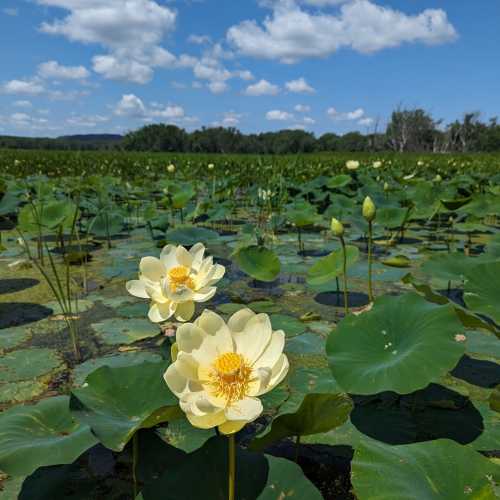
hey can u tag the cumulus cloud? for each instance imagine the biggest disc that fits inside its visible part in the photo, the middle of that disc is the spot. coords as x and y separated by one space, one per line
86 121
302 108
278 115
27 87
357 114
131 106
131 31
366 122
52 69
299 86
22 104
199 39
230 119
25 121
293 33
262 87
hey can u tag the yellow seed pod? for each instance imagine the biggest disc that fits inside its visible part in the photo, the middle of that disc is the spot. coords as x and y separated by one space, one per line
369 209
337 228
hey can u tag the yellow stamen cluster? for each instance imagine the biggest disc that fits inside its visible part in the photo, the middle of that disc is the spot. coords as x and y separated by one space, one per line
231 377
179 276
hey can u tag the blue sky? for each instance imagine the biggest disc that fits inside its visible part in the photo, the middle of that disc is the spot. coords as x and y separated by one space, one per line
93 66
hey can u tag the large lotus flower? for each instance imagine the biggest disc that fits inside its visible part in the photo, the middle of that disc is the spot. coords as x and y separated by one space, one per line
221 369
175 281
352 165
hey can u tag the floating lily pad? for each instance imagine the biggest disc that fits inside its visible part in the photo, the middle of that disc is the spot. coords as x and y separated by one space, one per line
41 435
264 306
229 308
125 331
290 325
116 402
397 261
401 345
118 360
307 343
258 262
190 235
436 470
482 290
12 337
79 306
330 267
139 310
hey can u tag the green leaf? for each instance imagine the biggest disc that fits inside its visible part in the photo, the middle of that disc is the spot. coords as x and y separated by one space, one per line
399 261
317 413
482 290
495 399
338 181
202 474
435 470
125 331
41 435
448 266
258 262
330 267
189 235
401 345
116 402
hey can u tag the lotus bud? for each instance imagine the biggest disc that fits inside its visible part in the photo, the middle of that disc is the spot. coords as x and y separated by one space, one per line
171 168
377 164
386 186
337 228
211 166
438 178
352 165
369 209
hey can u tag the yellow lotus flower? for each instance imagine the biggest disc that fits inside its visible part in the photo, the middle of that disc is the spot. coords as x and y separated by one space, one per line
175 281
377 164
171 168
221 369
352 165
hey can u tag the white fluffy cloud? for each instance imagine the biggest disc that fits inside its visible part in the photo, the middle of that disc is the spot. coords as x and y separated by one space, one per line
230 119
278 115
299 86
86 121
132 106
26 87
131 30
22 104
52 69
292 33
366 122
262 87
357 114
302 108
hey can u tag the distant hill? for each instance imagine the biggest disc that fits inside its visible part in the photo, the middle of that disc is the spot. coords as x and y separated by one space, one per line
73 142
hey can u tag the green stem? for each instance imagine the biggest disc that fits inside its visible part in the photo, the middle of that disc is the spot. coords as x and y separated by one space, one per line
232 467
344 253
297 448
135 457
370 258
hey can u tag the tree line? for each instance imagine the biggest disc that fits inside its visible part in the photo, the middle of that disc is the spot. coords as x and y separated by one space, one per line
408 130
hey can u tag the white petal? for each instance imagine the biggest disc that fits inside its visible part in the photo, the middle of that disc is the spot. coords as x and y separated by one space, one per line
161 312
168 258
247 409
207 421
239 319
187 366
189 337
272 352
176 382
197 252
184 311
210 322
260 381
181 294
207 353
255 337
205 294
216 275
137 288
152 269
154 290
231 427
279 372
184 258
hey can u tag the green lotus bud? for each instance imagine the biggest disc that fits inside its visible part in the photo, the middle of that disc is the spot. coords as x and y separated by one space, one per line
386 186
438 178
369 209
337 228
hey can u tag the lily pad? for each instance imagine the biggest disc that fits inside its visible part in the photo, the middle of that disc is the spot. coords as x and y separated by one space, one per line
401 345
400 261
435 470
290 325
330 267
41 435
258 262
482 290
190 235
12 337
307 343
181 434
116 402
79 306
81 372
125 331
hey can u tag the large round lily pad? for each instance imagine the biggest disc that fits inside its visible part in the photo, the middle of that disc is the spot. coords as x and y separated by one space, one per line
435 470
482 290
117 402
401 345
259 263
41 435
117 360
125 331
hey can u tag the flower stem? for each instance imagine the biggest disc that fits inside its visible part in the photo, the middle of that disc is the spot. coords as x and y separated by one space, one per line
232 467
346 306
370 258
297 448
135 457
